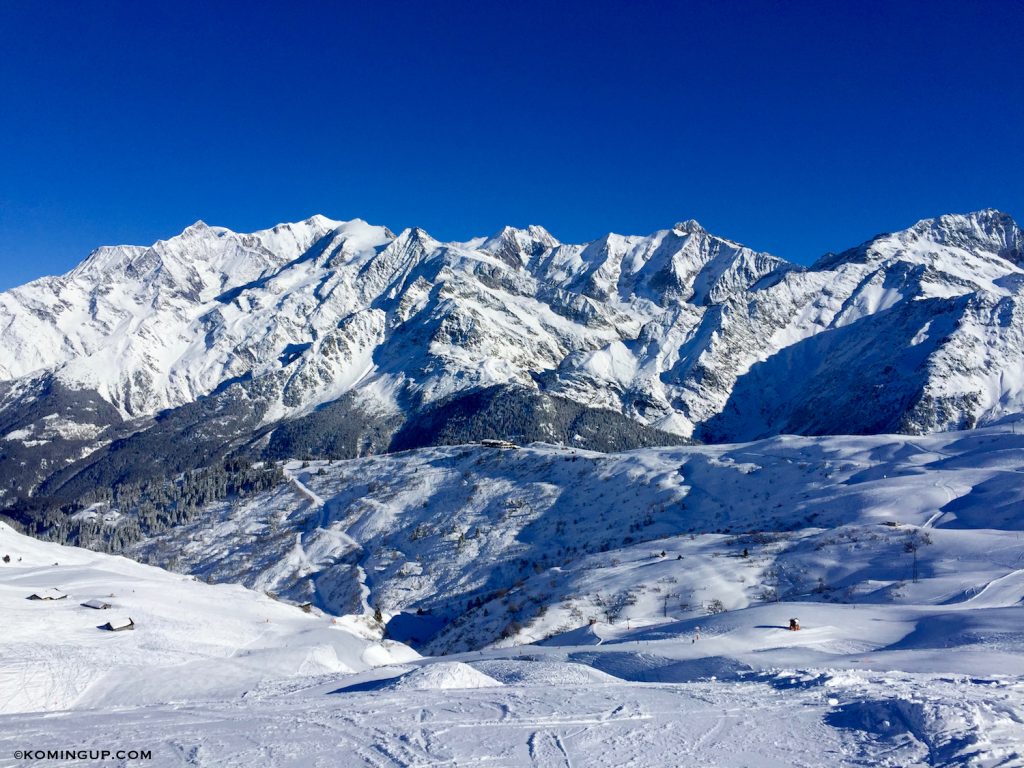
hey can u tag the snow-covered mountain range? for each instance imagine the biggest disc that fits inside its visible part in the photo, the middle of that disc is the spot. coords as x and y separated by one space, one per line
226 337
187 404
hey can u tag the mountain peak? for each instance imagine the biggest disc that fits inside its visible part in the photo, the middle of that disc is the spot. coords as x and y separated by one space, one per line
690 227
985 230
531 232
984 218
197 229
318 219
415 236
516 246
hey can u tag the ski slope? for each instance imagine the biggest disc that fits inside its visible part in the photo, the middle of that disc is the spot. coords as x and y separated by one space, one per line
192 640
641 701
572 609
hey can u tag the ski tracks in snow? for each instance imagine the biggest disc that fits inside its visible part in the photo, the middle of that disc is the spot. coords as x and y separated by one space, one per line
547 750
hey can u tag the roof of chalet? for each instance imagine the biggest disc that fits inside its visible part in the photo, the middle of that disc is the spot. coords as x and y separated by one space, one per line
118 624
50 593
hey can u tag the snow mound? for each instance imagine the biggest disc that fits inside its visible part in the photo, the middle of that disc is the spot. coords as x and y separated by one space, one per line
443 676
585 635
526 672
647 667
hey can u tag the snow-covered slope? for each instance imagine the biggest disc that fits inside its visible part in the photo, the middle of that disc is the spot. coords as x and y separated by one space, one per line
913 332
680 330
655 586
191 640
788 717
469 546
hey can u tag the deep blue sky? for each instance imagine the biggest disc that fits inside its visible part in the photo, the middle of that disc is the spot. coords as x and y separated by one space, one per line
793 127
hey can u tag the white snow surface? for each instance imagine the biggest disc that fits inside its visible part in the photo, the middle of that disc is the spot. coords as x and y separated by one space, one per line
442 676
594 650
191 641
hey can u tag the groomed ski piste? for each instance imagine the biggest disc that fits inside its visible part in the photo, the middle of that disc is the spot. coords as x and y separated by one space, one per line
895 663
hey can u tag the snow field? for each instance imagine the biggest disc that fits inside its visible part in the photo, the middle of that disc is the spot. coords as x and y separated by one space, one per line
510 555
192 640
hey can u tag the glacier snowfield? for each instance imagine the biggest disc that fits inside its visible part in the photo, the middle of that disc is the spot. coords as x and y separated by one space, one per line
542 636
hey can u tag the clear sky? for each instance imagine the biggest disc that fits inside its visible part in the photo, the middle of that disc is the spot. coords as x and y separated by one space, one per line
793 127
